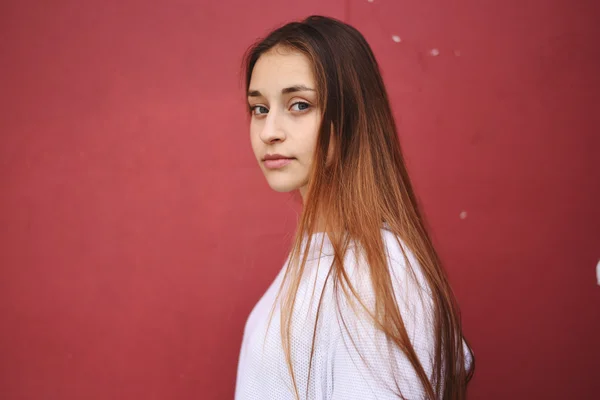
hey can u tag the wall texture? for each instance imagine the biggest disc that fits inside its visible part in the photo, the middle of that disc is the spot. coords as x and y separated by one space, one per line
136 231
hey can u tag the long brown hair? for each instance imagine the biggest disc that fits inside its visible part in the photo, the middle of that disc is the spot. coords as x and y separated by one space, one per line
362 186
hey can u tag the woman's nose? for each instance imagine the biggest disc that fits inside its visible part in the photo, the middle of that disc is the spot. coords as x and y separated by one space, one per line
272 130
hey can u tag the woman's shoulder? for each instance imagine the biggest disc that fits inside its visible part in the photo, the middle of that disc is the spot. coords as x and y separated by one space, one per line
401 263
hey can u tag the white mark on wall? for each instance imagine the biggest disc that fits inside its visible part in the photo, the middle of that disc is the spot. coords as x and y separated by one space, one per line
370 1
434 52
463 215
598 272
396 38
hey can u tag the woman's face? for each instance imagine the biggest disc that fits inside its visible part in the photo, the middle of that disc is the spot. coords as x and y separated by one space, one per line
284 118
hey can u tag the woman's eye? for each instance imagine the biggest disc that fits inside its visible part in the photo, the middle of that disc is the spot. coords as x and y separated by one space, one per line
301 106
259 110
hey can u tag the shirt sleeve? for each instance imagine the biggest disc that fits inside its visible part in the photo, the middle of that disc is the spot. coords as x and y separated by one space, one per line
364 364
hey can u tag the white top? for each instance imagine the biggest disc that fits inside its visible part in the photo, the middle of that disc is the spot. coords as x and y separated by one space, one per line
338 371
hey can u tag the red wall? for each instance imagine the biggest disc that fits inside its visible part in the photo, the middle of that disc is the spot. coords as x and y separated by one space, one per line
137 232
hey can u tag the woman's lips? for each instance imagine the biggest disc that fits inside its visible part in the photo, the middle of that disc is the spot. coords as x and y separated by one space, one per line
277 162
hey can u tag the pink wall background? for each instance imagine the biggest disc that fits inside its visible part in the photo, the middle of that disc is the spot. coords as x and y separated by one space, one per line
136 231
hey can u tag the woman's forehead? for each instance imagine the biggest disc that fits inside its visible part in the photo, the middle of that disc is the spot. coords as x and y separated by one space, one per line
277 70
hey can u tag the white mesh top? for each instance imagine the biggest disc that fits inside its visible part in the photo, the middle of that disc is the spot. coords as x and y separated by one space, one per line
352 359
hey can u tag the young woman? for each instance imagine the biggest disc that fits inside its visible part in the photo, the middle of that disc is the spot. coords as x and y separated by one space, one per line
362 308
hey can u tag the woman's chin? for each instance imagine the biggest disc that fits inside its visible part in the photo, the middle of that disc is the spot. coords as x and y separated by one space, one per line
283 186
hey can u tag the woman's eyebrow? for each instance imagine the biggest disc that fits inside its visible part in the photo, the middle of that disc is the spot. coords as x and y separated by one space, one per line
287 90
297 88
